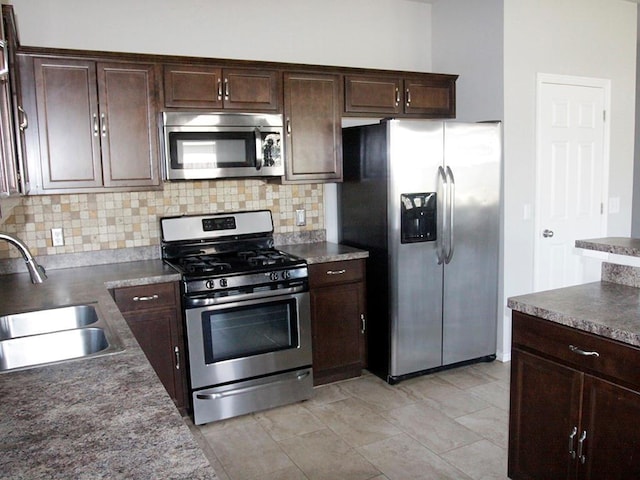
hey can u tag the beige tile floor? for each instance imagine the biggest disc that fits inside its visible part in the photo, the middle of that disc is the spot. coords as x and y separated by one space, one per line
448 425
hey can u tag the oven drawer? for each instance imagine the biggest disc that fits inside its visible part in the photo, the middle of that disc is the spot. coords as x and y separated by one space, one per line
228 401
145 297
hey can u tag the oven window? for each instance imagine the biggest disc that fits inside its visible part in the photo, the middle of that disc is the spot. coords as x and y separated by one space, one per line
201 150
251 330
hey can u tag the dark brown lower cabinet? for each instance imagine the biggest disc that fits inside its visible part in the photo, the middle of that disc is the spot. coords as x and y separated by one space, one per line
338 322
153 313
574 414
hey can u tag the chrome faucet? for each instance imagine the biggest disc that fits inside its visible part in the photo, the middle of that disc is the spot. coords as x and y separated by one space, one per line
35 270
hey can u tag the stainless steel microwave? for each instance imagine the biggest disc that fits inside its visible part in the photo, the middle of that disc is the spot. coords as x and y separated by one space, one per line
200 146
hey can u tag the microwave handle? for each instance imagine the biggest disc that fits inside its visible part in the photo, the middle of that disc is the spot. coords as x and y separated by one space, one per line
259 152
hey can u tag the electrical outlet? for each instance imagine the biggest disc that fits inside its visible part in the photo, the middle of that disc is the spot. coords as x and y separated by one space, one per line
301 217
57 238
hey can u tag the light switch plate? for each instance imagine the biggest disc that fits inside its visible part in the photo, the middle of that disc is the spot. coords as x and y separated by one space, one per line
57 237
301 217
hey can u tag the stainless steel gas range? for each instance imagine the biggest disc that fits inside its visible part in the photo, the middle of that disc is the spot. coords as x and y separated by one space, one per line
247 316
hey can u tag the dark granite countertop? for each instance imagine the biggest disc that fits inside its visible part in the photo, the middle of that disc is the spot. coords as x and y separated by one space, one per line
101 417
616 245
604 308
322 252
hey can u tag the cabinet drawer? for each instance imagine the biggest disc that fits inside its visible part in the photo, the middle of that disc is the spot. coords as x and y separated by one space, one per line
615 360
145 297
332 273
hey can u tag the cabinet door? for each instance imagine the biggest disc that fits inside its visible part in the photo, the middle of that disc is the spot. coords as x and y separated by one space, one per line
545 408
612 443
337 332
152 330
430 97
192 86
251 90
312 104
68 120
128 124
373 94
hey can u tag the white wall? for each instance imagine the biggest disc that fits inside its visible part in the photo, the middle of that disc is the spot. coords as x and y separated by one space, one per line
467 40
392 34
589 38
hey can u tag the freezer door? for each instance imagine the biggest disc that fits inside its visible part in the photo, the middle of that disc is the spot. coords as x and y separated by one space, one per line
415 155
473 162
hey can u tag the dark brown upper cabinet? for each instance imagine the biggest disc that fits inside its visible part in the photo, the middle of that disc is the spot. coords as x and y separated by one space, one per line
425 95
313 137
214 88
97 125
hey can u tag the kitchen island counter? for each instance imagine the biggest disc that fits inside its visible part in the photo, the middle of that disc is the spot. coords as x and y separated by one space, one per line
102 417
604 308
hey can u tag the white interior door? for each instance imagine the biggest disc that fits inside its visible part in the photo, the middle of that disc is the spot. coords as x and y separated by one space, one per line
571 179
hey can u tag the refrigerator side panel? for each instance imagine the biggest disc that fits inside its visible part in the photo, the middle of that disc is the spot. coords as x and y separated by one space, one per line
362 198
415 153
473 153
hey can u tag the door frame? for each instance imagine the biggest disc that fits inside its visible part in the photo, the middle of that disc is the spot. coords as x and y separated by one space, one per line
571 80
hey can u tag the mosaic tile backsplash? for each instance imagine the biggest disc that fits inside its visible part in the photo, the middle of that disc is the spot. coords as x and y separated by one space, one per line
106 221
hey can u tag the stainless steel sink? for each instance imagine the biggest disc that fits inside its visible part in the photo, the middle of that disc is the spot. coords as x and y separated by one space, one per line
54 335
45 321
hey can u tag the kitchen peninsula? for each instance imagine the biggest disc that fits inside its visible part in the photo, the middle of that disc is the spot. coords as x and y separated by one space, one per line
575 386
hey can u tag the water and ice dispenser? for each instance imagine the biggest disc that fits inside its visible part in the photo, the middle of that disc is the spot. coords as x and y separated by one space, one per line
418 217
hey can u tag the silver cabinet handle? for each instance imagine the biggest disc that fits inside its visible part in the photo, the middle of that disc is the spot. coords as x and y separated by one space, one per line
288 126
336 272
546 233
95 125
397 96
408 92
103 122
574 432
363 323
176 351
581 440
452 207
226 89
146 298
24 124
586 353
219 89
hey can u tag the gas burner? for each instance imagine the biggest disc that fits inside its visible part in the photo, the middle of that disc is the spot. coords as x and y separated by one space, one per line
200 265
263 257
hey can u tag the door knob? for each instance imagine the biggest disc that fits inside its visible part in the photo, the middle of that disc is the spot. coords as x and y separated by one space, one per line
546 233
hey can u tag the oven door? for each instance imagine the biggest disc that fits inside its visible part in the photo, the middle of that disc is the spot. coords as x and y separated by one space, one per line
234 341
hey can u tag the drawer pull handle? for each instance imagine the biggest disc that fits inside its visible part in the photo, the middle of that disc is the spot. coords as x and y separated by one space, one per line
574 432
147 298
579 351
363 323
336 272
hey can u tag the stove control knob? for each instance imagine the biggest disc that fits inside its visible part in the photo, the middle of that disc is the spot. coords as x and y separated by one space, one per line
210 285
273 276
286 274
223 283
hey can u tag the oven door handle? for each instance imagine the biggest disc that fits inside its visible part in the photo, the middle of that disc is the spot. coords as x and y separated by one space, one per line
238 391
204 301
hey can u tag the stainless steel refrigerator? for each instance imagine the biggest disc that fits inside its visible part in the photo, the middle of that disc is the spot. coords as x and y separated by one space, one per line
423 197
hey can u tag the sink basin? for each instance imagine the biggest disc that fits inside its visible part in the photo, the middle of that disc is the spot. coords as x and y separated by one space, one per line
53 335
51 347
45 321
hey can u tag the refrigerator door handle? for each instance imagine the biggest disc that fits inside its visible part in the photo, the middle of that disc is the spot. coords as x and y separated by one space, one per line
440 247
451 203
